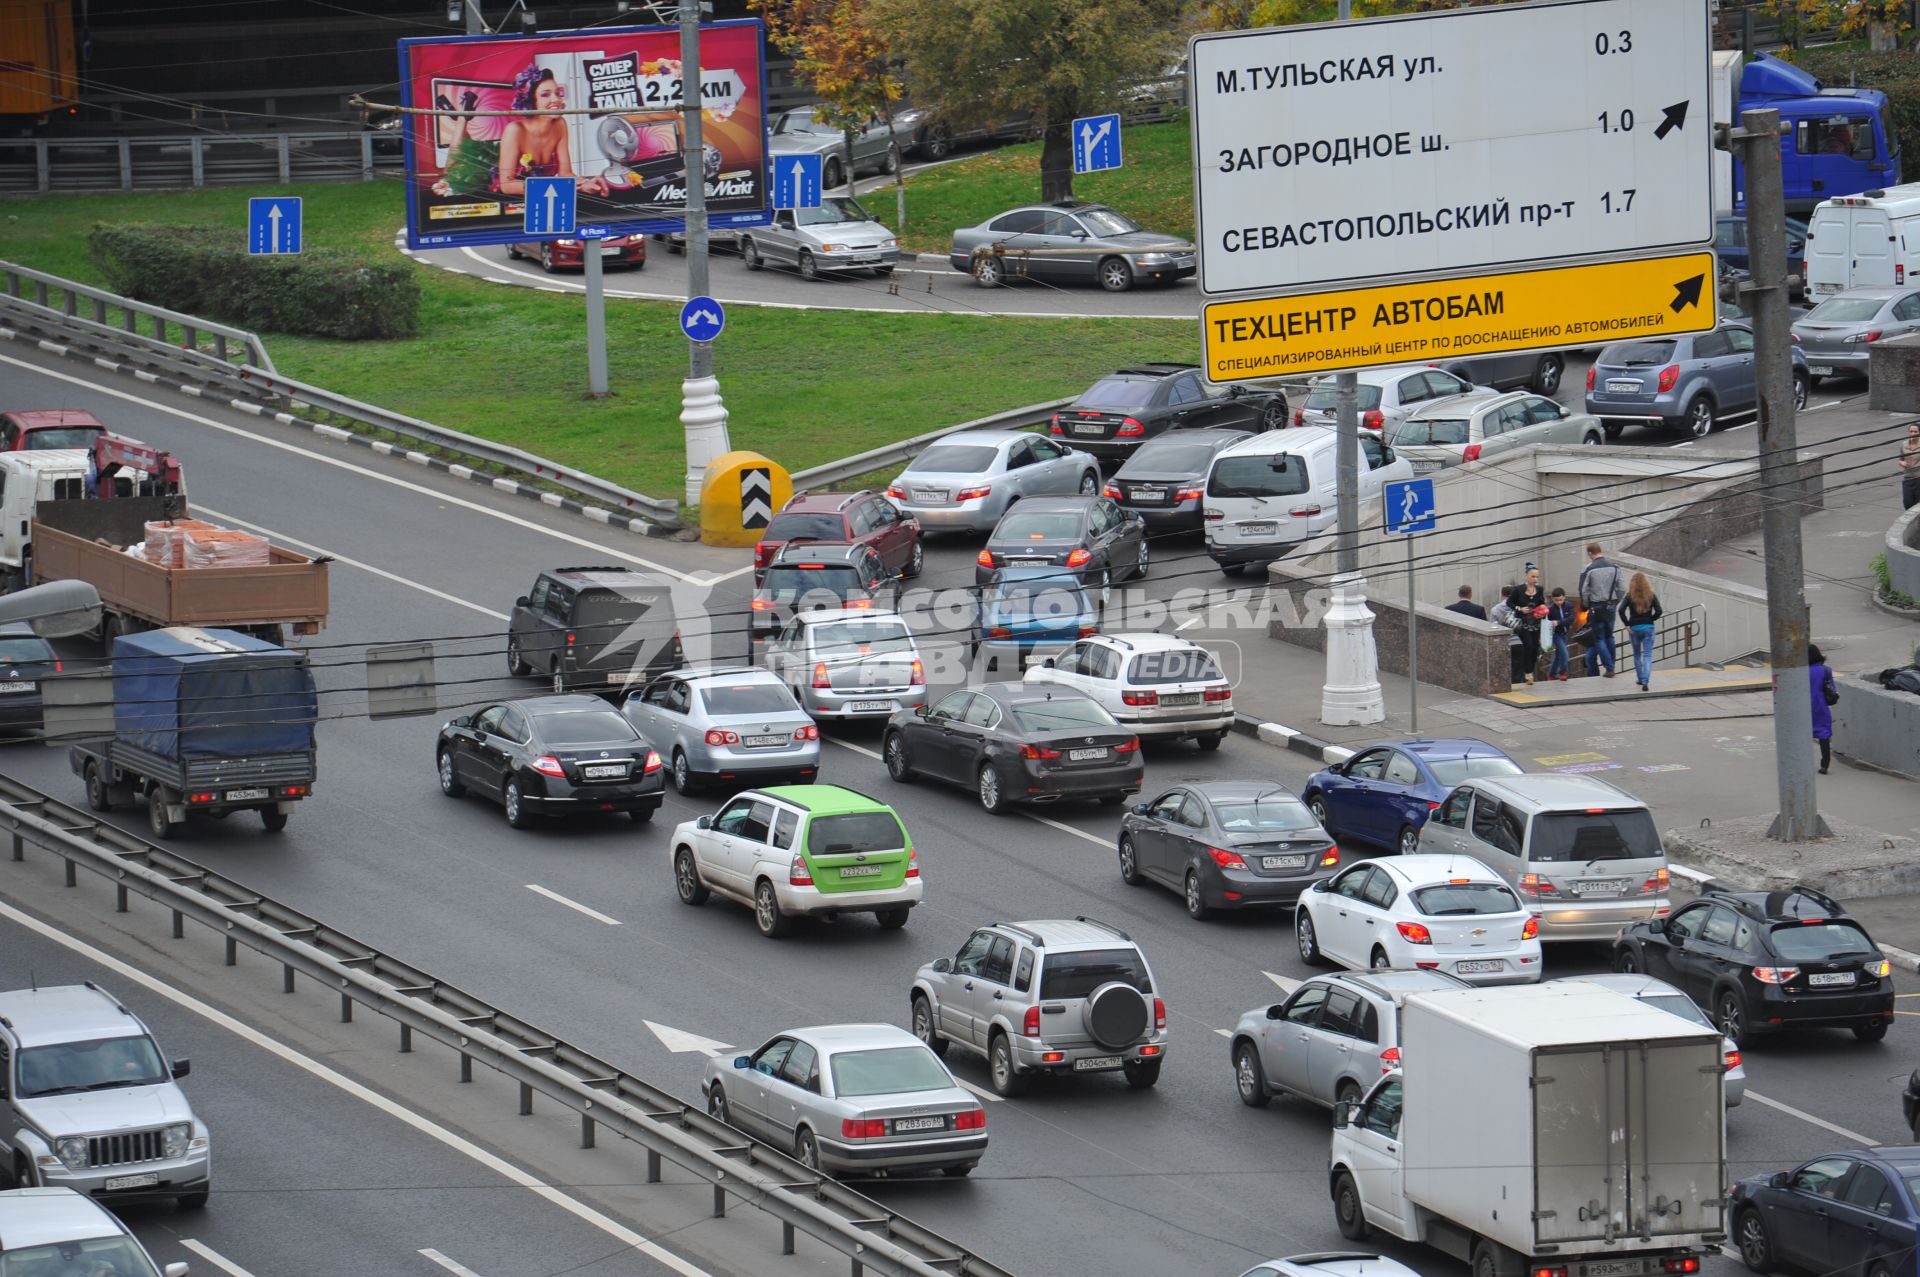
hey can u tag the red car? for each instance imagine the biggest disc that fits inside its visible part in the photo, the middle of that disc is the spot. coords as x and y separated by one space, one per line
844 518
42 428
566 254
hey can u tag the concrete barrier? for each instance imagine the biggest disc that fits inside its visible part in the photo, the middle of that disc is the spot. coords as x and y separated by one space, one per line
1879 728
1893 374
1903 554
1456 652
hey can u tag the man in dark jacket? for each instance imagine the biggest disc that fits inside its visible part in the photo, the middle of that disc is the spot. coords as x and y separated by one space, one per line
1601 589
1465 605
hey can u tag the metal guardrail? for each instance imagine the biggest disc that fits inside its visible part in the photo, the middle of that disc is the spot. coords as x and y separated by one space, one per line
874 458
117 320
137 162
869 1234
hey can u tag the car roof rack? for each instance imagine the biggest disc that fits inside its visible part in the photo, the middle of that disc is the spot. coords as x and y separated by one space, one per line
1095 922
1153 370
592 567
1032 937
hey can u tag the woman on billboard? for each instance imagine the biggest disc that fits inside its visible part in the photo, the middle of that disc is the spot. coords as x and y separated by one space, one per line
537 145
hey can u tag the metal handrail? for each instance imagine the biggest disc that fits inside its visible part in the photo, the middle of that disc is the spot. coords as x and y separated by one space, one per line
869 1234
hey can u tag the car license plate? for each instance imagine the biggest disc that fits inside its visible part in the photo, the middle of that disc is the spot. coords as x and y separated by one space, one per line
133 1181
1821 370
930 494
1087 428
865 706
1615 1268
247 795
1149 494
1283 862
1598 886
1258 529
1085 755
602 772
1030 563
1181 698
860 871
28 686
613 251
1624 387
1425 467
903 1124
1480 968
762 741
1096 1063
1829 979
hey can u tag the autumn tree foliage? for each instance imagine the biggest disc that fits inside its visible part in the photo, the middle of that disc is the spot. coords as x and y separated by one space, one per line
840 55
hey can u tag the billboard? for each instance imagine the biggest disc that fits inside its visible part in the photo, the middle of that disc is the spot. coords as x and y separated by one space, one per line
469 160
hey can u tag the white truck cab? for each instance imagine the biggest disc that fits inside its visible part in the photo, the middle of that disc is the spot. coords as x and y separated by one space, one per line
27 479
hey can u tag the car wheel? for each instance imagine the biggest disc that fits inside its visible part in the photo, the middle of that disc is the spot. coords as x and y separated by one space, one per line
1114 274
1139 572
923 1025
1408 841
1612 429
272 819
513 253
917 561
806 1149
1348 1092
767 914
1487 1260
686 878
1379 961
157 819
717 1105
890 162
893 919
750 255
1756 1248
1090 483
809 269
894 750
1000 1071
1307 939
513 803
939 143
1346 1209
1870 1030
449 786
1814 380
1317 808
1546 375
834 174
1593 438
992 798
1799 393
1141 1074
97 797
1129 863
1729 1015
516 665
1249 1079
989 271
1625 962
1232 569
683 782
1196 904
1699 419
960 1171
642 815
1274 415
1212 742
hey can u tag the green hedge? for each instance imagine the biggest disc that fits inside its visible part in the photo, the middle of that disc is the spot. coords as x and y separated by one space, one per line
207 271
1895 74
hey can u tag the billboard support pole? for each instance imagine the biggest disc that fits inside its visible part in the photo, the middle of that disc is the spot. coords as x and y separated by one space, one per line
702 414
596 319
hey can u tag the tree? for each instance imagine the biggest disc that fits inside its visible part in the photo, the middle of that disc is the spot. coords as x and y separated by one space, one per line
984 61
1882 21
1240 15
836 51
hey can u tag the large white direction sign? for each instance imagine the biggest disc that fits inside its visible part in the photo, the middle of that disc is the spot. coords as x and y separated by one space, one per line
1448 142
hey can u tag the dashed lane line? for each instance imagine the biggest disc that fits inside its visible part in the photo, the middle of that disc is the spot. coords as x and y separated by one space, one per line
214 1257
557 898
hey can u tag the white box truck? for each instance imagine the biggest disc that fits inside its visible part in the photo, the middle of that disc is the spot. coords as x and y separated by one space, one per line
1551 1130
1871 240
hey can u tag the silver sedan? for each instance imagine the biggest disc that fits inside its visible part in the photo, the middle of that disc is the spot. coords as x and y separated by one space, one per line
875 149
965 481
837 237
1473 427
1838 334
735 727
851 1098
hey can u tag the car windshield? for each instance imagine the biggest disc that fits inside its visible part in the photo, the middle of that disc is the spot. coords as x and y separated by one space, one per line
1459 899
893 1070
1175 456
1271 476
68 437
954 458
819 527
833 211
119 1256
1104 222
1280 812
1636 354
1075 975
588 727
831 581
855 831
100 1065
748 698
1845 310
15 650
1062 714
1812 941
1677 1004
862 638
1116 392
1322 396
1594 835
1181 665
1037 600
1454 771
1432 430
1039 525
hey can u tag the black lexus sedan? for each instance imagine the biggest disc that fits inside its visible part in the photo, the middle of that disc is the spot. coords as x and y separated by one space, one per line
1230 844
551 755
1165 482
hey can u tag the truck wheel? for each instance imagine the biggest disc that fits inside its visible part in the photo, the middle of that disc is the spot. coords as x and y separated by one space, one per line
157 819
1491 1259
516 664
273 819
97 796
1347 1212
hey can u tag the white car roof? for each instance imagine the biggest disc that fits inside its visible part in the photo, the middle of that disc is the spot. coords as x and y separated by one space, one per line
1145 641
1294 439
1377 376
1426 869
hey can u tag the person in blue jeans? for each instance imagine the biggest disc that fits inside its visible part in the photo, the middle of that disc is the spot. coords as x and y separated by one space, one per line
1599 590
1561 616
1641 610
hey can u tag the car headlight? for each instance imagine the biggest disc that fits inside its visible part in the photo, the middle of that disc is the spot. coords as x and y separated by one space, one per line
889 243
833 248
72 1150
174 1139
1152 259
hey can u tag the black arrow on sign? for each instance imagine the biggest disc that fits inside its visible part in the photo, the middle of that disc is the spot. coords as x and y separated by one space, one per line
1676 118
1687 293
756 495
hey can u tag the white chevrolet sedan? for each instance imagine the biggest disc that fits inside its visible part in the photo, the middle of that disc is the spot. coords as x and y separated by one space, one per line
1438 913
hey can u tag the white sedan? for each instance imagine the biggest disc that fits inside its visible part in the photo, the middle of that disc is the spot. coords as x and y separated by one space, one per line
1439 913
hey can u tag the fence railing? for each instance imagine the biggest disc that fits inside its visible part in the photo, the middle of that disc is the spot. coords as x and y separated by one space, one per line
739 1170
135 162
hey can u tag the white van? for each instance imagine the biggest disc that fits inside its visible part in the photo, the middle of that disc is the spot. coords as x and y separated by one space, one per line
26 479
1870 240
1267 494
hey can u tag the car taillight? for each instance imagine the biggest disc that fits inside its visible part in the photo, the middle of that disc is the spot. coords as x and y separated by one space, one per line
761 553
58 667
917 676
1088 631
971 1120
715 736
1217 694
1537 885
1414 932
1304 511
1775 975
569 638
999 631
913 863
798 875
1053 426
1139 698
1113 493
1432 806
1188 494
820 678
1373 420
1670 376
1129 429
1470 453
1684 1264
652 764
1030 1027
1159 1014
1733 1060
985 558
1079 558
1899 273
761 605
972 494
1226 859
1390 1059
1331 856
1590 373
1127 746
863 1128
1882 968
1656 884
897 492
1547 1270
548 765
1532 929
807 733
1038 751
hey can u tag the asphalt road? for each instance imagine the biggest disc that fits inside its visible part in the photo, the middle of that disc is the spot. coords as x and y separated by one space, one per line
1087 1177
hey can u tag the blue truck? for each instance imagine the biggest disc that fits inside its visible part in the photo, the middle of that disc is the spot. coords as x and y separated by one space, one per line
206 722
1833 141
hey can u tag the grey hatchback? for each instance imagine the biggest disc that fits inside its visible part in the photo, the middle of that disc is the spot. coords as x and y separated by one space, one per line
1683 383
1838 334
1330 1040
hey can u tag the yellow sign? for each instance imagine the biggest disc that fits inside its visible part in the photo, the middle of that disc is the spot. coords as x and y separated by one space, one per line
1460 318
739 495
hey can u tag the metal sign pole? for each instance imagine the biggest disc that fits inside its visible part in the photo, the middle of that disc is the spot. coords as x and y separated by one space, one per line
596 319
702 415
1413 646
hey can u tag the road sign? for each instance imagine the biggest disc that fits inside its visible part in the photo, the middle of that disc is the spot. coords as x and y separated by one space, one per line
274 225
1551 308
702 319
756 496
796 181
1096 143
1410 506
1441 143
550 206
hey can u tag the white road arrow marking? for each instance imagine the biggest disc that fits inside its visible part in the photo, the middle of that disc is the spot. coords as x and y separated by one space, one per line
680 1042
273 233
553 195
1287 983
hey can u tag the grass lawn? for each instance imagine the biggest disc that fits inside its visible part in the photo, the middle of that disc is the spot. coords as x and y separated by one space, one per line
804 387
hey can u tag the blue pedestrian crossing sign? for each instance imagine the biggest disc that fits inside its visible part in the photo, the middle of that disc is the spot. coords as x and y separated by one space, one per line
550 206
702 318
273 224
1410 506
796 181
1096 143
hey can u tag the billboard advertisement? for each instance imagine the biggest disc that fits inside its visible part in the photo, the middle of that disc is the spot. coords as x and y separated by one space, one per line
483 127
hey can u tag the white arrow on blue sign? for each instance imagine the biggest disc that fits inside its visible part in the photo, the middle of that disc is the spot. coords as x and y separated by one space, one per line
796 181
1410 506
273 225
1096 143
550 206
702 318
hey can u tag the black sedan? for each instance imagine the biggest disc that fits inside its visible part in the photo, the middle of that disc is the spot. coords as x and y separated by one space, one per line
1234 844
1854 1212
551 755
1015 744
1093 536
1122 410
1761 961
25 659
1910 1103
1165 482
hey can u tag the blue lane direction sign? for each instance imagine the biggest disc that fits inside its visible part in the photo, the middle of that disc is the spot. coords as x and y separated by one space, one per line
702 318
796 181
273 224
550 206
1096 143
1410 506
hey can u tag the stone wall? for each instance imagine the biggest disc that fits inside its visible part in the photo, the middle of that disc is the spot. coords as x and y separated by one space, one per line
1456 652
1877 727
1893 375
1903 554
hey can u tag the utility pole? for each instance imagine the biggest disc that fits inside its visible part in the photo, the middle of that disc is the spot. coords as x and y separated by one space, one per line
702 415
1758 139
476 25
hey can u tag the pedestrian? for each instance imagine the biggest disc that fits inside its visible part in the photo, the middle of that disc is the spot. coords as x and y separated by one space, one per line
1519 661
1529 602
1465 605
1599 588
1560 615
1825 697
1641 610
1910 467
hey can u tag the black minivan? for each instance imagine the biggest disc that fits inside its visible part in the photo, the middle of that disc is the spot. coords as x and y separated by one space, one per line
594 629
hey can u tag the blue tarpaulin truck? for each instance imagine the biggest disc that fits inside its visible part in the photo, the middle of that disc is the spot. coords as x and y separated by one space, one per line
206 722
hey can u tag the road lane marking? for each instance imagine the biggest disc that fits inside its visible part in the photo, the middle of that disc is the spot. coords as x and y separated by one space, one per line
680 1041
874 754
214 1257
453 1266
1225 1033
1287 983
1820 1122
980 1091
392 1108
557 898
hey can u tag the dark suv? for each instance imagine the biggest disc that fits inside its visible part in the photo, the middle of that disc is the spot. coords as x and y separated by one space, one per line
1122 410
1760 961
594 629
847 518
806 577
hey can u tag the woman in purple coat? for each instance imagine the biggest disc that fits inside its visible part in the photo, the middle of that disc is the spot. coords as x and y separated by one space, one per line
1820 687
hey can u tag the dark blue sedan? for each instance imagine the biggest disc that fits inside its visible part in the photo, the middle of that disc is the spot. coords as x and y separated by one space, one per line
1852 1214
1384 793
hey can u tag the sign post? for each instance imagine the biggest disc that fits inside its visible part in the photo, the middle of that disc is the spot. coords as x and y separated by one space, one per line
1410 510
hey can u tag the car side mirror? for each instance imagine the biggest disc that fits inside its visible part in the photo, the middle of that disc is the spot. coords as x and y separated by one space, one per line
521 601
1777 1180
1344 1114
1277 1011
919 711
742 1062
943 965
705 822
1141 809
181 1067
176 1269
1658 925
1322 885
1047 664
1236 392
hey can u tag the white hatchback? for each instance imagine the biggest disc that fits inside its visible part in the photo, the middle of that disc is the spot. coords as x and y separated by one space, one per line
1436 913
1152 684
